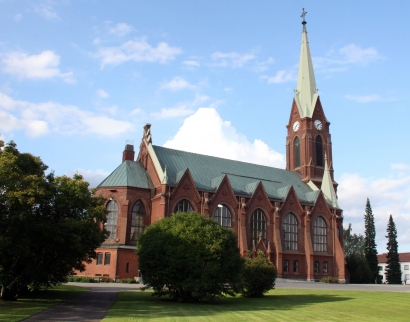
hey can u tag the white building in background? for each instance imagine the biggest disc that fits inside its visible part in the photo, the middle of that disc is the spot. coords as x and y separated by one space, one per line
404 266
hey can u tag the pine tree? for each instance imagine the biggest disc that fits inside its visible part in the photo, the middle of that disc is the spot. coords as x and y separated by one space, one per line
370 250
393 262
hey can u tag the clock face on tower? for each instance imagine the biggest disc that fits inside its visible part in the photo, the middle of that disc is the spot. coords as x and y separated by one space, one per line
296 126
318 125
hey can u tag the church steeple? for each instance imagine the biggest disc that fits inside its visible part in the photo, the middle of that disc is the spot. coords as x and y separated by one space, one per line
306 92
308 139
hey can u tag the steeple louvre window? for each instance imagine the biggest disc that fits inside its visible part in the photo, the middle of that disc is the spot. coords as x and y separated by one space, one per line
296 146
258 226
290 229
137 220
223 216
183 206
319 151
319 235
112 218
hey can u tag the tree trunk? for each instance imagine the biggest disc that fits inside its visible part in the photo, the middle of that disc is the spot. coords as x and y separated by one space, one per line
7 294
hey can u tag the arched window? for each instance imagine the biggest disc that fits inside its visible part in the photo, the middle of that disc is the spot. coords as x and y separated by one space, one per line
319 235
223 216
112 217
183 206
137 220
290 227
296 146
319 151
258 226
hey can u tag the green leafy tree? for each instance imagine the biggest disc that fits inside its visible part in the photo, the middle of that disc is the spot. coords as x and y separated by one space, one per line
356 264
259 275
370 249
190 258
47 223
352 243
393 261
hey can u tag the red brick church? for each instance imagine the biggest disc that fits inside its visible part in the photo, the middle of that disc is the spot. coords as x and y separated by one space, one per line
292 215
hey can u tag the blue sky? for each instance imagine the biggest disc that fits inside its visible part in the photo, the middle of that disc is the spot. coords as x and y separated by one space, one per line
79 78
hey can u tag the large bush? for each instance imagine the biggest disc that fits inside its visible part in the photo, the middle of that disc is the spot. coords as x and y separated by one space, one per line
259 275
189 258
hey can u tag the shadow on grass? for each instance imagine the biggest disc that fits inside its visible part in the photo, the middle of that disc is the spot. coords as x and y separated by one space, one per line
143 305
35 302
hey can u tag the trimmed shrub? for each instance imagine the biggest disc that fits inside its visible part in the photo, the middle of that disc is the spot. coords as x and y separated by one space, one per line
329 279
259 275
189 258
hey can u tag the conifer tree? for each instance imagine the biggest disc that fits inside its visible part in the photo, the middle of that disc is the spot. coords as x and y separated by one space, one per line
393 262
370 241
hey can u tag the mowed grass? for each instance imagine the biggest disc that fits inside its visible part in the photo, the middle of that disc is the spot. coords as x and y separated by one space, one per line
277 305
36 302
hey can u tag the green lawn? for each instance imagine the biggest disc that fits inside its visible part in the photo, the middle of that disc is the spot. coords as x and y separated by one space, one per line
278 305
33 303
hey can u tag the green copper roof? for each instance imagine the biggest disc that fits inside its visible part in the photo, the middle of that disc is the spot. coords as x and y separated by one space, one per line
128 174
208 171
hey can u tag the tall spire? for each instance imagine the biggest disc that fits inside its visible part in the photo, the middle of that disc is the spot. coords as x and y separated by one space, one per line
327 186
306 92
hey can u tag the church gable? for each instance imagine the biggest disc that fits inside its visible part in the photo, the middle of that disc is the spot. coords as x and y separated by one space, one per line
224 193
291 203
260 199
321 207
186 189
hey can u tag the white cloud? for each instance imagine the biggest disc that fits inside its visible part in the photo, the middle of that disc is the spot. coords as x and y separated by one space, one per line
282 76
182 108
47 11
191 63
102 94
138 50
137 111
17 17
38 119
206 132
94 177
176 84
346 56
41 66
353 54
264 65
387 196
121 29
364 98
232 59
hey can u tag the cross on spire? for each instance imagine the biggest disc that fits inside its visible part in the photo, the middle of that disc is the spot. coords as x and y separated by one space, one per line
303 16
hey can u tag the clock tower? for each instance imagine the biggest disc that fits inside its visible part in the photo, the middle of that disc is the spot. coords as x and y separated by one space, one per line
308 143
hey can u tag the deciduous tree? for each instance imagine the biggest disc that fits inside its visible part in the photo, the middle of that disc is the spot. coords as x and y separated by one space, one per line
47 223
393 269
356 264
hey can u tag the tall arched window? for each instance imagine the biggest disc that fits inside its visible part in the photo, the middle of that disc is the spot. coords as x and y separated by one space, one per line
223 216
183 206
112 217
137 220
290 227
319 151
319 235
296 146
258 226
